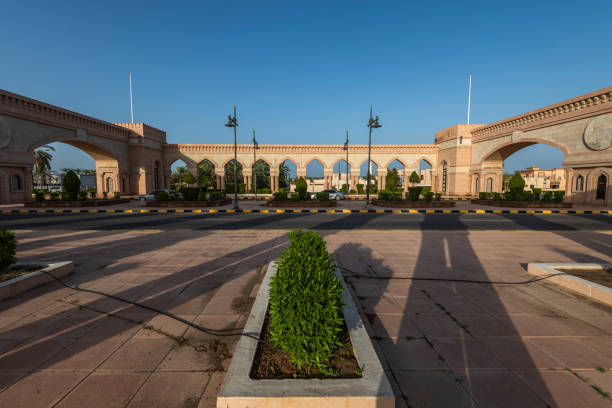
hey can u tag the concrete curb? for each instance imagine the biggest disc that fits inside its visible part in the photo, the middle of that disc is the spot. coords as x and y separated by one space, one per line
567 280
20 284
295 211
239 390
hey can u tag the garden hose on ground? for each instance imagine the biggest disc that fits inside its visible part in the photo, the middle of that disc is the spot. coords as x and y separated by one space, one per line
212 332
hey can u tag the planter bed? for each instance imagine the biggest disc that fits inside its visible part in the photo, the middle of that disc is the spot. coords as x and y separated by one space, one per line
84 203
301 204
522 204
239 389
414 204
173 204
30 280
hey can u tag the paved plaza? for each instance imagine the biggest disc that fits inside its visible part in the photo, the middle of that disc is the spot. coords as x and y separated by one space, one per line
443 344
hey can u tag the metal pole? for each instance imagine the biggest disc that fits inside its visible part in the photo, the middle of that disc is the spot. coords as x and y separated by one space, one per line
469 99
254 165
372 123
131 104
235 166
348 187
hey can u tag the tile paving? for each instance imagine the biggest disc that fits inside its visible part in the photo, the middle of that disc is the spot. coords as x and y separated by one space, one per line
443 343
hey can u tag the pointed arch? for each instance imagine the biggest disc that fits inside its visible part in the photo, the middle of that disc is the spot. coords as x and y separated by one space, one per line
316 158
505 150
394 158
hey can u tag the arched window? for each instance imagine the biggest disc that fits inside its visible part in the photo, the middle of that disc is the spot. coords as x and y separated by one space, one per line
489 185
16 183
444 176
602 183
477 184
109 185
156 175
579 183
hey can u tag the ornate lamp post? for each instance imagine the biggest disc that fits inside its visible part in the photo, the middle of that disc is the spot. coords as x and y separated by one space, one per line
233 123
255 148
346 144
372 124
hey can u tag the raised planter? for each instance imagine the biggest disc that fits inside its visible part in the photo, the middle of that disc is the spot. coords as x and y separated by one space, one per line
522 204
173 204
302 204
565 278
414 204
20 284
84 203
239 390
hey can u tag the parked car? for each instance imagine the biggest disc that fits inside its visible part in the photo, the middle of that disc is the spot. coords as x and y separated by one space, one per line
333 195
173 195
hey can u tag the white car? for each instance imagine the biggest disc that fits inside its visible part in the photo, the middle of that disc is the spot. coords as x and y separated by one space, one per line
151 196
333 195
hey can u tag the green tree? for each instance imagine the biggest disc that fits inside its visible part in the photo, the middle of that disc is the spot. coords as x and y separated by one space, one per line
42 163
178 175
206 174
261 171
71 184
414 178
229 171
189 178
392 179
516 185
283 175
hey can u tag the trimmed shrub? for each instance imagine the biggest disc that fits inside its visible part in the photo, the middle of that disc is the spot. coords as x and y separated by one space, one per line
301 187
71 185
82 195
280 196
54 196
92 194
559 196
189 178
39 196
414 177
241 188
159 196
537 192
229 187
428 196
483 196
384 195
508 196
323 196
117 195
353 191
360 188
8 247
306 302
497 196
190 193
264 190
216 195
525 196
516 185
547 196
201 196
344 188
413 193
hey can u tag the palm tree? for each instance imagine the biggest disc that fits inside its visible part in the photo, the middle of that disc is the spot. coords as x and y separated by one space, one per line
283 176
42 162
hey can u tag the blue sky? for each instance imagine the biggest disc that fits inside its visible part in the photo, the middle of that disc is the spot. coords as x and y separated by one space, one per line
304 71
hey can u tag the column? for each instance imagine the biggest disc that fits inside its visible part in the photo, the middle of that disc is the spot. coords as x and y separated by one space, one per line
100 183
27 184
382 180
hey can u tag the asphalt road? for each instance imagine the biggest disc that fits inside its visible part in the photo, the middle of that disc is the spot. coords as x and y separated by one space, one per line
537 222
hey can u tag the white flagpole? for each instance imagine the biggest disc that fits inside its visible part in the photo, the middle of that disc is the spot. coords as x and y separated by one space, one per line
131 102
469 99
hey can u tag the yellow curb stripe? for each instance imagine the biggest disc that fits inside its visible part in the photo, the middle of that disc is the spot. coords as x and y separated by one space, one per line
313 211
397 211
180 211
579 212
162 211
480 212
75 211
562 211
363 211
497 211
413 211
530 212
247 211
346 211
128 211
447 211
57 211
110 211
463 211
93 211
212 211
196 211
280 211
596 212
6 211
430 211
546 212
265 211
380 211
513 211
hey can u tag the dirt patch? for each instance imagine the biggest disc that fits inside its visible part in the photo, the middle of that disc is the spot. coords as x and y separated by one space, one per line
602 277
242 304
219 352
272 363
15 271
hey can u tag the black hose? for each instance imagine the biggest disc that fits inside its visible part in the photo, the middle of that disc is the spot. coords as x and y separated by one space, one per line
212 332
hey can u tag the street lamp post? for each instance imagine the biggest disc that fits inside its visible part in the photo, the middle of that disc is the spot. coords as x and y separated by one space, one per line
232 122
372 124
348 187
255 147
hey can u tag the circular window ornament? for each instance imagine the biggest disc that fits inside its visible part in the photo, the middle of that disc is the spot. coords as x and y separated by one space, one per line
598 133
5 134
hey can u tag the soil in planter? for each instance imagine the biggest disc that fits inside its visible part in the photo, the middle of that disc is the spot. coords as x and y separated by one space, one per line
600 276
272 363
16 271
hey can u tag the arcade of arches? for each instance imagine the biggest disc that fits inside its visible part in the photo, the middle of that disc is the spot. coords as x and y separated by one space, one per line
134 158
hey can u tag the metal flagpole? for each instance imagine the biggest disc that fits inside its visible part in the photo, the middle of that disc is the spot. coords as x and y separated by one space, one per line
131 102
469 98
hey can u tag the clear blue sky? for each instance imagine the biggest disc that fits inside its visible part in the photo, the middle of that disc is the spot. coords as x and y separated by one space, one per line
303 71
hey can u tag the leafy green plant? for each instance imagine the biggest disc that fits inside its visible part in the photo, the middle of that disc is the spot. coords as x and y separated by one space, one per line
190 193
537 192
280 196
201 196
384 195
216 195
8 247
428 196
413 193
306 302
392 179
360 189
92 193
71 185
438 196
547 196
117 195
516 185
414 177
353 191
264 190
344 189
301 187
39 196
54 196
323 196
82 195
559 196
497 196
189 178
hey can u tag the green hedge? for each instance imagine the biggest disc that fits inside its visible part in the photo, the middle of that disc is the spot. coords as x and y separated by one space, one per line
306 302
8 247
190 193
323 196
413 193
216 195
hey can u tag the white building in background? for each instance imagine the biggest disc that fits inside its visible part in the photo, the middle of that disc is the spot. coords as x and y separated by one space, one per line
55 179
545 179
